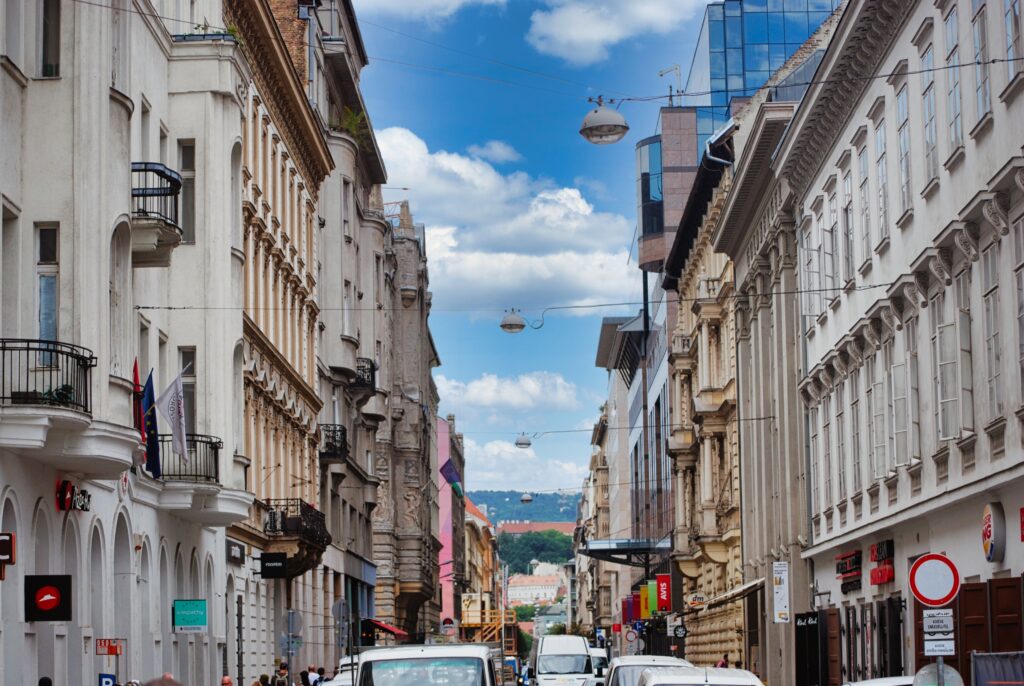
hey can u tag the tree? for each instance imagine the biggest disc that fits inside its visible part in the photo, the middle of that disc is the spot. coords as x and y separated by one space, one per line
524 613
546 546
556 629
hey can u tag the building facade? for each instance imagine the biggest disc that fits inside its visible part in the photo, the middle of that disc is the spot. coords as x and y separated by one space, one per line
452 514
909 203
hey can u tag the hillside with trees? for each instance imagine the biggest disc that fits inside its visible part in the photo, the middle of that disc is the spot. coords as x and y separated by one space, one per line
546 546
546 507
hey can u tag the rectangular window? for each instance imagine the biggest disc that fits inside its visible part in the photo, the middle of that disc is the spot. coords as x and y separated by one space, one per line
346 206
903 135
1013 42
953 100
187 357
1018 258
848 239
855 465
49 39
982 91
890 361
865 201
815 489
944 368
187 161
840 444
931 155
12 30
990 301
829 268
812 300
900 413
881 181
878 407
913 386
378 278
48 270
964 368
826 450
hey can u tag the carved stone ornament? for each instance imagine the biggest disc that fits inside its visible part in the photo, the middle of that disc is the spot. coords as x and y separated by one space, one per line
1018 178
939 266
826 378
813 391
995 212
853 352
913 298
385 508
411 516
891 319
412 472
871 337
841 366
921 285
967 243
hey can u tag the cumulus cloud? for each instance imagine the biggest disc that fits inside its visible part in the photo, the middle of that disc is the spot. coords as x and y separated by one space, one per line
495 239
418 9
523 392
497 465
582 31
498 152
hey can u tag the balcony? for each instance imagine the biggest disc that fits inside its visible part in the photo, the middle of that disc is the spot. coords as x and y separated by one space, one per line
155 228
365 382
45 374
333 444
192 487
297 529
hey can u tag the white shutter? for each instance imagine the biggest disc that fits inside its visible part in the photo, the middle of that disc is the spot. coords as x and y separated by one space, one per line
878 432
812 298
828 261
913 407
898 377
947 381
964 367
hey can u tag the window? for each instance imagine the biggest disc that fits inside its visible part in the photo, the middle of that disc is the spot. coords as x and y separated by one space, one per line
990 302
48 271
982 92
187 160
881 181
118 44
49 39
865 201
900 412
878 407
951 360
346 206
815 490
913 386
1018 276
826 449
953 100
855 466
840 443
812 300
903 135
869 407
346 312
931 156
963 324
829 267
187 357
848 240
1013 43
378 278
891 363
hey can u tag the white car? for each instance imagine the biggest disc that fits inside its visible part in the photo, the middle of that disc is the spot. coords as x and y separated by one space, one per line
883 681
427 665
626 670
698 676
346 674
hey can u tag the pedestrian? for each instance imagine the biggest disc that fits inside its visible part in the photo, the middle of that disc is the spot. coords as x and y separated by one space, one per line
304 678
314 678
264 680
165 680
259 683
281 678
45 681
320 676
724 662
226 681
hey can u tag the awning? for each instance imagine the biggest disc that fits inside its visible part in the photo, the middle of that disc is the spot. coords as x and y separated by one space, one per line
384 626
736 593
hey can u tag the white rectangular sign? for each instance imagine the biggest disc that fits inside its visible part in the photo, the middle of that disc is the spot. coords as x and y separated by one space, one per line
937 621
780 592
937 648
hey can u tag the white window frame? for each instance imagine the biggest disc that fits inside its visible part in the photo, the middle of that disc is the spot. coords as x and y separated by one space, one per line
903 147
878 411
899 455
928 114
188 178
855 449
840 443
848 229
1012 22
865 200
826 450
965 368
990 306
827 247
1018 275
881 180
188 383
815 486
47 271
910 333
954 99
982 82
811 275
890 362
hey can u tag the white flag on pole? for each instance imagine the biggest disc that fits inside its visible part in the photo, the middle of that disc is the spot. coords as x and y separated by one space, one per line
172 406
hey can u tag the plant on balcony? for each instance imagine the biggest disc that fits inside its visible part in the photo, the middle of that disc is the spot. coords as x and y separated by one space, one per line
353 123
61 395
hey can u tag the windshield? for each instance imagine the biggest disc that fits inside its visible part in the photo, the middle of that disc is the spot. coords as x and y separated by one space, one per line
629 675
424 671
600 662
563 664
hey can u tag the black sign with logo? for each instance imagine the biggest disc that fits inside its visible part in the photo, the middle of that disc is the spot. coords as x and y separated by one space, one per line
234 552
883 550
71 497
272 565
48 598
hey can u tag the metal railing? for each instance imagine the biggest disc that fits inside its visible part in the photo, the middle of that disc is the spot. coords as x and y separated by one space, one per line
155 190
295 517
366 374
201 465
45 373
333 442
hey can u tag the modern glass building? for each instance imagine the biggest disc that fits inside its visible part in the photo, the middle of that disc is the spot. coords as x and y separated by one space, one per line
741 43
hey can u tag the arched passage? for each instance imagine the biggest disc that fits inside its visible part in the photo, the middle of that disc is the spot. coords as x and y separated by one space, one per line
98 592
165 647
10 609
72 566
180 640
145 591
44 643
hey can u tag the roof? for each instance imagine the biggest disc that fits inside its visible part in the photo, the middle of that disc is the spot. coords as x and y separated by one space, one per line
406 652
647 660
529 580
472 509
609 329
705 675
531 527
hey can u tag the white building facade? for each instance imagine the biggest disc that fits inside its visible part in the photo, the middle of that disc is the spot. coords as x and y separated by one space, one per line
909 196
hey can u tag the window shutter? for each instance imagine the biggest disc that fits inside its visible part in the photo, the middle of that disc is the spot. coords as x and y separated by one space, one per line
828 264
947 381
1005 601
898 376
964 368
878 427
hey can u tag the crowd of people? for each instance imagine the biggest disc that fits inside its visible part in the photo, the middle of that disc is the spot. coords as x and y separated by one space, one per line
311 676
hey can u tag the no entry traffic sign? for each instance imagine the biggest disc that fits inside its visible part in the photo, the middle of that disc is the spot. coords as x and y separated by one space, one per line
934 580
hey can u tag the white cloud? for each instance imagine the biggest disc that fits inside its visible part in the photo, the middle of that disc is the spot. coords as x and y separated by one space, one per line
582 31
496 240
498 152
523 392
418 9
499 465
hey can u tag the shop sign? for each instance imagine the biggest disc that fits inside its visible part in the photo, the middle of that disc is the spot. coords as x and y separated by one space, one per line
697 600
48 598
272 565
780 592
849 570
71 497
645 602
616 628
110 646
234 552
189 616
883 574
883 551
664 592
993 532
8 551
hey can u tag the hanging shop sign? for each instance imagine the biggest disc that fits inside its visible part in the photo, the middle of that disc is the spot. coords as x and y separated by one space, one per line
8 551
189 616
882 554
652 595
664 582
234 552
645 602
616 628
110 646
273 565
883 551
780 592
849 571
993 532
48 598
71 497
696 600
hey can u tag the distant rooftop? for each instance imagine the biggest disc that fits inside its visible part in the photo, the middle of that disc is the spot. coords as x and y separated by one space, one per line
518 528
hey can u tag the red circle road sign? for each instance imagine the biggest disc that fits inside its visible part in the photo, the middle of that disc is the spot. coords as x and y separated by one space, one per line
934 580
47 598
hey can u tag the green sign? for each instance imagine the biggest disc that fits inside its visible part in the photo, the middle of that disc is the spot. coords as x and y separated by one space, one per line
189 616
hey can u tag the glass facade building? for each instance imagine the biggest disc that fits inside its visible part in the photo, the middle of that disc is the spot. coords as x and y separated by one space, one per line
741 43
649 191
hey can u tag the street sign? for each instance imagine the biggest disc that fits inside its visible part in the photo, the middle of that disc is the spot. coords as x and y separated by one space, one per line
109 646
929 675
107 680
934 580
937 621
630 636
638 626
936 648
47 598
680 631
189 616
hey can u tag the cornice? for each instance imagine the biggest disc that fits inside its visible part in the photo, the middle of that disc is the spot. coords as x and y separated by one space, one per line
279 86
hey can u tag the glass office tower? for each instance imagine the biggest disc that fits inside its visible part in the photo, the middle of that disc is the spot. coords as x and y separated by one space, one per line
741 43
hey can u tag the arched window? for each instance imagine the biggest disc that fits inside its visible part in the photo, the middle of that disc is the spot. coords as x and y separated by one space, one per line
119 288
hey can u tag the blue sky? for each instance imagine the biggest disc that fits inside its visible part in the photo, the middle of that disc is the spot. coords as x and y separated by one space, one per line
520 210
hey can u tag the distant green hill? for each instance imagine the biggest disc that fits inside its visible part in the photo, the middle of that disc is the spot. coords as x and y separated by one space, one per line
546 507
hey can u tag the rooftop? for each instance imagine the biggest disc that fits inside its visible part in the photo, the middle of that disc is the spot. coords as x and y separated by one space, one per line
528 527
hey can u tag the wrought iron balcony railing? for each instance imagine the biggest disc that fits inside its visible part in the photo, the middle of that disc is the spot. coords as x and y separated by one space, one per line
333 442
45 373
295 517
366 375
155 190
200 465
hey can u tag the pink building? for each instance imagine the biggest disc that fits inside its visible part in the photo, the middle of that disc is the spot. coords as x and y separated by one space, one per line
452 513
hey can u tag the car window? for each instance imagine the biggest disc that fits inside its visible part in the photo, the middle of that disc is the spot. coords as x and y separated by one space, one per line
423 671
563 664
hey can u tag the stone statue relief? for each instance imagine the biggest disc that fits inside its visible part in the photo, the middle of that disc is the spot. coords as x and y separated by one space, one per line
411 517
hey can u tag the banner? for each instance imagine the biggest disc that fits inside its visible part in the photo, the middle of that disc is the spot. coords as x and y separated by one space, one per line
645 602
664 582
780 594
626 610
652 595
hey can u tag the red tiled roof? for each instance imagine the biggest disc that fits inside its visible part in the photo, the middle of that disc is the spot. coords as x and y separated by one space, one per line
528 580
527 527
472 509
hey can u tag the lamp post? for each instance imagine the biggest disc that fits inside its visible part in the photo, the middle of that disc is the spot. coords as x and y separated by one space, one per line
602 125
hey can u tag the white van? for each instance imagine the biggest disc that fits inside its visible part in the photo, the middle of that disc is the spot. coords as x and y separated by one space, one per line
427 665
599 660
563 661
698 676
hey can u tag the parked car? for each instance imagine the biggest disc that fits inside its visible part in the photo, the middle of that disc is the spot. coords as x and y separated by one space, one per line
625 670
562 661
698 676
427 665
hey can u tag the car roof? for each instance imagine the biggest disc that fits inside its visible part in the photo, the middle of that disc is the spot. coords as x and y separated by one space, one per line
883 681
648 660
702 675
406 652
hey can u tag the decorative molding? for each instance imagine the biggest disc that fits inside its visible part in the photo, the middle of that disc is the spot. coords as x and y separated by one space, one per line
871 336
966 240
995 212
939 267
913 298
854 353
890 319
1018 178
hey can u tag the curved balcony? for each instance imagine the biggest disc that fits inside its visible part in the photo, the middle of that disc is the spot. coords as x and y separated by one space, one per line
299 530
333 444
191 483
199 466
155 228
45 374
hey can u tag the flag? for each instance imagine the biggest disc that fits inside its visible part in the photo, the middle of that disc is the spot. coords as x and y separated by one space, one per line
171 404
151 428
452 476
645 603
652 595
664 592
137 402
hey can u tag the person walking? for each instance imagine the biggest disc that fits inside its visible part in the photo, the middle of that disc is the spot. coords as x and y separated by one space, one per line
226 681
281 678
313 677
724 662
